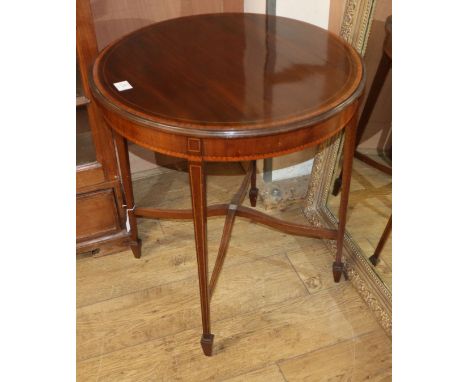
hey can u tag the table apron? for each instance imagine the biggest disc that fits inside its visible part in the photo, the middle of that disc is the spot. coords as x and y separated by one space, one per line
220 149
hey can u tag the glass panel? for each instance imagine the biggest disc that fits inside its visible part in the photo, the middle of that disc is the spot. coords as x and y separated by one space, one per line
79 84
85 151
369 210
370 198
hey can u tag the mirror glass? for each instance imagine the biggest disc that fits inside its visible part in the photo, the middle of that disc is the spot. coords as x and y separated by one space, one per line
370 208
370 199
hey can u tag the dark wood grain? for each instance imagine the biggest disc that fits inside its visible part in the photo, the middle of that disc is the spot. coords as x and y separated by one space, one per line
90 224
192 75
253 192
158 213
284 226
241 211
208 88
236 201
198 191
230 149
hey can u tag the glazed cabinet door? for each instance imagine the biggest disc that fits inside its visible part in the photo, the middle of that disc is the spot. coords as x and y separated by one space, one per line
99 212
100 215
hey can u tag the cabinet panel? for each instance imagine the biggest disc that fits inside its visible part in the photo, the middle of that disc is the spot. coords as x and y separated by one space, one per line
96 214
89 175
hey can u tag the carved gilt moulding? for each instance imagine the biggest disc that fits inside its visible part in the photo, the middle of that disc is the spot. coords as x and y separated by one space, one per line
355 29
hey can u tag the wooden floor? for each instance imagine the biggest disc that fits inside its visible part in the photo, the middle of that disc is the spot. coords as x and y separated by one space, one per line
370 206
276 313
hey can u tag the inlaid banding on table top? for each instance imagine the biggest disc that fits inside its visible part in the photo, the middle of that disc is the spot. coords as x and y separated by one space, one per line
194 145
228 74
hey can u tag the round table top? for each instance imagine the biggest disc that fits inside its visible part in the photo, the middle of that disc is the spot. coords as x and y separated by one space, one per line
228 75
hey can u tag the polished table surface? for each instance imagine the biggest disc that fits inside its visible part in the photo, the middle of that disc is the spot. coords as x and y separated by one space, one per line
214 74
228 87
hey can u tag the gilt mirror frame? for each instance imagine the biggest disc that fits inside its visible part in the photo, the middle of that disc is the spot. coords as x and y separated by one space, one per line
355 28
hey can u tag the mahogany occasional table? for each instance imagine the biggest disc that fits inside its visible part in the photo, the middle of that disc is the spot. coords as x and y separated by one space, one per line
228 87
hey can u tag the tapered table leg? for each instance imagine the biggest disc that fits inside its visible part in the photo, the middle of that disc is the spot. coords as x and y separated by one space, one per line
253 193
198 191
124 164
348 153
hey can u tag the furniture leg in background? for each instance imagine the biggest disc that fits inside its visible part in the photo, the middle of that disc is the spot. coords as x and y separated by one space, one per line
253 193
384 67
375 258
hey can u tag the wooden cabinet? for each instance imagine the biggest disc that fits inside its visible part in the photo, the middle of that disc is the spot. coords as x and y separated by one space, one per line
100 220
100 217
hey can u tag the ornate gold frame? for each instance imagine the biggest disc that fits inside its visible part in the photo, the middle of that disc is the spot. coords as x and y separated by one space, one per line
355 29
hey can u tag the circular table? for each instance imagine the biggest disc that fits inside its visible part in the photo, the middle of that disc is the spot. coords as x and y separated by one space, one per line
228 87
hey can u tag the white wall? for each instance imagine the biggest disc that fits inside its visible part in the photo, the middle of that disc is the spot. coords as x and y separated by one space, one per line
312 11
254 6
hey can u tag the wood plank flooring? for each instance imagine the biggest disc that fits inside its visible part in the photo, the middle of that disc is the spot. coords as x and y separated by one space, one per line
276 313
